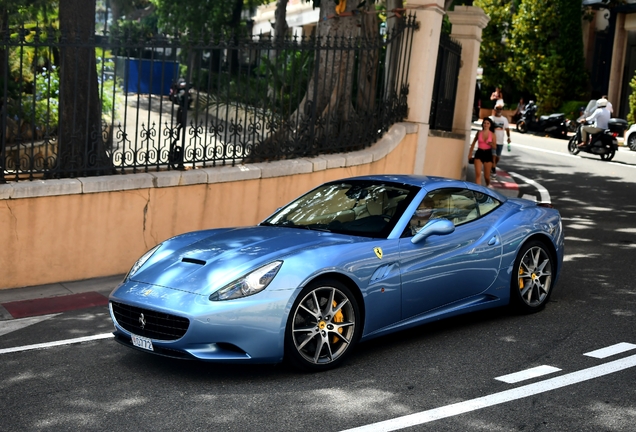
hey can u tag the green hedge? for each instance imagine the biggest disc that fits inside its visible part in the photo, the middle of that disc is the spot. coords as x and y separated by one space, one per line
571 109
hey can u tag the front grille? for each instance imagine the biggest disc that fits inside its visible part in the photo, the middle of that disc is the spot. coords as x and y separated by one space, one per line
157 325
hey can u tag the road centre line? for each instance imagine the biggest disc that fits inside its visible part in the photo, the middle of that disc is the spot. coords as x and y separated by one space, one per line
527 374
499 398
56 343
611 350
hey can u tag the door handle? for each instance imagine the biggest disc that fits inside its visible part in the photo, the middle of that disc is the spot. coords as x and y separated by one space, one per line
493 241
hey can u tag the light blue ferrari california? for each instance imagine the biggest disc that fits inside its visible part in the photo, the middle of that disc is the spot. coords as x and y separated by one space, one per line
351 260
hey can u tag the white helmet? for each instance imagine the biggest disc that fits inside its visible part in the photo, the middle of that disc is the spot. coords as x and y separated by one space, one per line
601 103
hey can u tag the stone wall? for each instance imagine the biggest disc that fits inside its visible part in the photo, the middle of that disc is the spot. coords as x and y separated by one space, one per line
72 229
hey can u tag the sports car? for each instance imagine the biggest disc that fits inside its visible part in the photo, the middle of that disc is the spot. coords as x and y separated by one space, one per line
348 261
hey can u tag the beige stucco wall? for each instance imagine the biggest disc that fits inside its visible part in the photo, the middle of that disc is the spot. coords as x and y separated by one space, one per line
445 155
78 234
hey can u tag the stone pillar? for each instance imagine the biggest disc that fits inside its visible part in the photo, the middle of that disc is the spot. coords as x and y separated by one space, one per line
468 23
617 67
422 70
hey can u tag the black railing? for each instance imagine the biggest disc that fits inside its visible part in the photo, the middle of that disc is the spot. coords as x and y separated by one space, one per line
445 87
250 99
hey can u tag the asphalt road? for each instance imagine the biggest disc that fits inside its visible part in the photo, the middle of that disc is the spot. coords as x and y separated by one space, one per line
442 376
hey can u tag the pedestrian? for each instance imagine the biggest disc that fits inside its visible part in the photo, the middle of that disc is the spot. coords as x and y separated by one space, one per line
502 128
521 107
497 97
609 106
601 117
486 142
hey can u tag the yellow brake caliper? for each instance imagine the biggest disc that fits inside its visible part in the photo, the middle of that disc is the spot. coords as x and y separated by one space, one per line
520 280
337 318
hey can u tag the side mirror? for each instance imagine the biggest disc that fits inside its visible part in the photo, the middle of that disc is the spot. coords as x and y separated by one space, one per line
434 227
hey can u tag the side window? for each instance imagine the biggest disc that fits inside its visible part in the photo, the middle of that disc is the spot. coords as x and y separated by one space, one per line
486 203
457 205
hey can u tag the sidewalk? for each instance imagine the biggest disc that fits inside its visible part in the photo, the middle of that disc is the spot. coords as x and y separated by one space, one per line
53 298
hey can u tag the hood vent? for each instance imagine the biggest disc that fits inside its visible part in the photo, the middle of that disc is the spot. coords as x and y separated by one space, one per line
193 261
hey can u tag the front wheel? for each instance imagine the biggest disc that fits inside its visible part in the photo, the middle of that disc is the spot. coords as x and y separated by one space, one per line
531 283
323 327
522 126
631 142
573 146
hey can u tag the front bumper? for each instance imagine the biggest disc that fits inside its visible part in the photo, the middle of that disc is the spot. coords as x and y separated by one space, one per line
247 330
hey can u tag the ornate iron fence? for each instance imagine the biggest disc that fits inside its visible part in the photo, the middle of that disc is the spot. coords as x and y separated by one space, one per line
445 87
247 99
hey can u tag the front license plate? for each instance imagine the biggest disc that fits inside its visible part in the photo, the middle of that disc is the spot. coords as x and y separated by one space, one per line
142 342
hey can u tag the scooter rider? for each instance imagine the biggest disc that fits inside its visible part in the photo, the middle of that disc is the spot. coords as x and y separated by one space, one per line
600 116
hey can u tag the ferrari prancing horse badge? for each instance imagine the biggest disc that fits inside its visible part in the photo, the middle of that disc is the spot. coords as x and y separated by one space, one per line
378 252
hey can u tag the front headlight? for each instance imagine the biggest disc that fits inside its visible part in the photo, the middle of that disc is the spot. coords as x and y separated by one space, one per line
141 261
250 284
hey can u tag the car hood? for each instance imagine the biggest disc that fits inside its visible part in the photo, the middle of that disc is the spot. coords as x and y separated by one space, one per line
222 256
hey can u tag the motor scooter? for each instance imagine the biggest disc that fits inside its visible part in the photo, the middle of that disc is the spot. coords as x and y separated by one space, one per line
179 95
604 143
555 125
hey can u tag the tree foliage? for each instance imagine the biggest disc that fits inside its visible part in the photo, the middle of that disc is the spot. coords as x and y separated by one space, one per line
494 51
201 17
631 115
535 46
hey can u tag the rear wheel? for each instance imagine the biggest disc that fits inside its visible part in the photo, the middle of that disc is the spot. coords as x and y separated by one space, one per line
573 146
522 126
323 327
531 283
631 141
608 156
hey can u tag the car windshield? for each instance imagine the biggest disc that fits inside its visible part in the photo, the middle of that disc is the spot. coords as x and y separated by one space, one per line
357 207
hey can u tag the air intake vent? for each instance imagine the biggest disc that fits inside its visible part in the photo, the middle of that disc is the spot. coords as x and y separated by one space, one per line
149 323
193 261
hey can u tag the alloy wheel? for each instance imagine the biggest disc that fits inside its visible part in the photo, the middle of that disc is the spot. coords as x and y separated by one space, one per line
323 326
532 281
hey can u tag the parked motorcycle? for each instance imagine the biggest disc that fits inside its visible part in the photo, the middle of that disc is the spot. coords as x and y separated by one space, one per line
180 96
604 143
555 125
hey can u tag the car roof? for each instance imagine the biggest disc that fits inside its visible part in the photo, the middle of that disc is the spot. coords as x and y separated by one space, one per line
430 183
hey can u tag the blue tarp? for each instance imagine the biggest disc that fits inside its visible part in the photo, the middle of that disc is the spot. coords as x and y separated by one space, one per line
150 76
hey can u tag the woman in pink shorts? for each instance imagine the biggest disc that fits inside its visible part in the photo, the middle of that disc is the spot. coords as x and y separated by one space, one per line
483 156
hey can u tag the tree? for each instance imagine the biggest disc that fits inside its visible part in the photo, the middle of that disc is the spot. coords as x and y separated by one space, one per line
81 147
495 50
552 71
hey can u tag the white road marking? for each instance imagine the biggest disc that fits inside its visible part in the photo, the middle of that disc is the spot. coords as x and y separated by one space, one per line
9 326
56 343
546 151
569 155
529 197
499 398
527 374
545 195
611 350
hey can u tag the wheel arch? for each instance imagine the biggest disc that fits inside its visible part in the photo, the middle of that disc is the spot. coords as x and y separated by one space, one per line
350 283
545 239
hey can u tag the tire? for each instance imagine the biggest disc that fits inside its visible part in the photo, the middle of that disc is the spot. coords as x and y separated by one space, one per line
522 126
531 284
323 327
608 156
573 146
631 142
